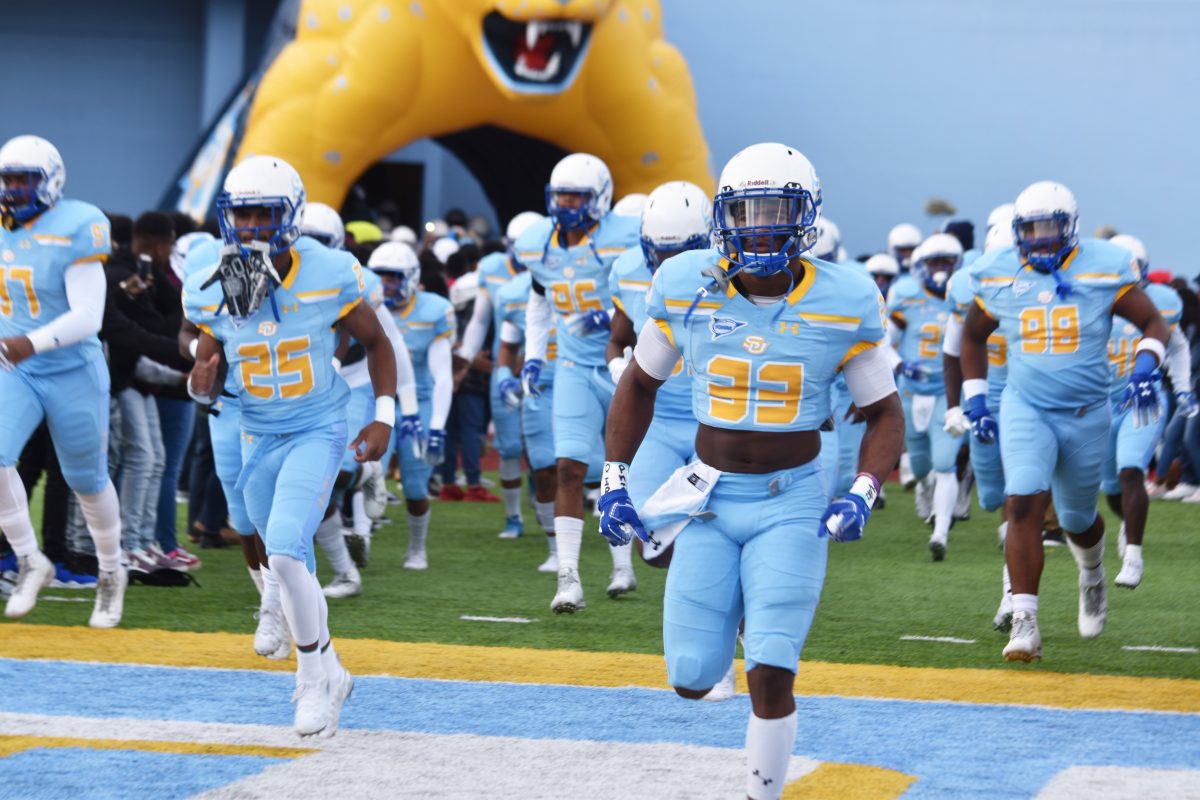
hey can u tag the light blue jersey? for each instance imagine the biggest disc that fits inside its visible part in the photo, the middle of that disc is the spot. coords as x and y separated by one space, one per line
1057 348
511 301
629 283
923 316
575 279
427 318
964 286
771 367
495 270
1123 341
283 368
34 259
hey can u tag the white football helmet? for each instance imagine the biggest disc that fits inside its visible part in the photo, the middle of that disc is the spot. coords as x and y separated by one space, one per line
400 269
829 241
1136 248
1045 224
263 182
403 233
325 225
901 242
521 223
999 237
585 174
768 194
631 205
183 245
883 264
677 217
31 177
1001 216
935 259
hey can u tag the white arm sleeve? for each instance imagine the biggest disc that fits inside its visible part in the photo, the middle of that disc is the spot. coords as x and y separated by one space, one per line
1179 361
869 376
86 290
952 341
510 334
894 334
477 326
537 327
152 372
654 352
406 378
443 382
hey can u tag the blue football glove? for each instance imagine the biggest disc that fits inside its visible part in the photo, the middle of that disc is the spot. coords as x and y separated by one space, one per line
1185 404
409 430
845 518
589 322
435 447
914 371
983 424
1141 394
508 387
619 521
531 376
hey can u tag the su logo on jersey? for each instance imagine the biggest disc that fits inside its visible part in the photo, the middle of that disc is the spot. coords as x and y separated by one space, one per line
755 344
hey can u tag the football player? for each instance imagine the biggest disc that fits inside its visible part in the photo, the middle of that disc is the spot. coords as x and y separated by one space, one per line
427 323
920 309
677 218
495 270
281 295
902 240
764 330
569 256
1053 299
52 291
1132 444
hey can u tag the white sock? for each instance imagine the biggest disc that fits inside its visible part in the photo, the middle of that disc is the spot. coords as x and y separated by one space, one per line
14 513
622 556
329 536
1007 581
1089 559
1025 602
552 544
905 462
358 513
545 515
270 593
308 666
256 576
769 744
569 532
299 595
102 512
1133 552
322 613
418 531
330 661
945 495
510 470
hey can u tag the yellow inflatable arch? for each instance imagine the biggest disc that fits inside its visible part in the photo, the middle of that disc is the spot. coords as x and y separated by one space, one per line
508 85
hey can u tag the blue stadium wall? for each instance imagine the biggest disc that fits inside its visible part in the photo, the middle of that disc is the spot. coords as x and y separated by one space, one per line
894 102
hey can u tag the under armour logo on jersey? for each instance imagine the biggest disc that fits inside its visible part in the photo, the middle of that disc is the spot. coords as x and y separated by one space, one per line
723 326
765 781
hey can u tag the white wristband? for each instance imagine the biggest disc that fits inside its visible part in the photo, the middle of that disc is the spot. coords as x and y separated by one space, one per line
615 476
385 410
1148 345
193 346
866 486
973 387
202 399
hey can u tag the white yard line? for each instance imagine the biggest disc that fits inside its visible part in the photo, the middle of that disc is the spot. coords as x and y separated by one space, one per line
521 620
1157 648
943 639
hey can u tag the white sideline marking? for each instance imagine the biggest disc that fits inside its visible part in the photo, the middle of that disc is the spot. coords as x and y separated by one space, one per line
1157 648
66 599
470 618
944 639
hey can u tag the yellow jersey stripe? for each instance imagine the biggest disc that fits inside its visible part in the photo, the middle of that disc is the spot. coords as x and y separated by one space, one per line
830 318
665 327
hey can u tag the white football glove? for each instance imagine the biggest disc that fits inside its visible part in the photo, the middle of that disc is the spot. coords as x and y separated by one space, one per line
617 366
955 422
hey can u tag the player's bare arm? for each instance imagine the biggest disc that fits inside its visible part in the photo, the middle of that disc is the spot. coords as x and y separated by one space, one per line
361 323
1139 309
977 327
630 414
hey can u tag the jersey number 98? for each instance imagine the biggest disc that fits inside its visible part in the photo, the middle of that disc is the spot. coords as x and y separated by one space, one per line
1053 331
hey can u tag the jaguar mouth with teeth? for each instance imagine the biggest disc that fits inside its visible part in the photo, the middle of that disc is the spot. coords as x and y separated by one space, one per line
537 55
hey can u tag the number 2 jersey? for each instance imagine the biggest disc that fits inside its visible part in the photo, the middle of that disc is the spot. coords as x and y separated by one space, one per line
766 367
283 368
34 259
424 319
1057 348
575 279
923 315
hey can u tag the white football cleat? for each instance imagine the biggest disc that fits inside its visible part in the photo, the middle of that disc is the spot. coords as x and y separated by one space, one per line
416 559
621 581
272 633
1004 614
937 547
550 564
1154 490
110 598
1131 573
35 572
924 498
344 585
340 687
312 707
1025 641
907 478
725 688
1093 606
1181 491
569 597
1193 498
1121 542
374 489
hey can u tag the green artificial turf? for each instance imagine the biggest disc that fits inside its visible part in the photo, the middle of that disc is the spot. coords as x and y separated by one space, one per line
877 590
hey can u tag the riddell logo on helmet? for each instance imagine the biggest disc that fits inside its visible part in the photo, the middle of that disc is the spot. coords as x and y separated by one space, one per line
763 182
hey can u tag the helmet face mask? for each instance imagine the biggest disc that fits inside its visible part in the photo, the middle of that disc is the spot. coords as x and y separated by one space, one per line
677 217
763 229
571 208
936 259
936 271
262 219
400 286
247 278
579 193
1045 225
31 177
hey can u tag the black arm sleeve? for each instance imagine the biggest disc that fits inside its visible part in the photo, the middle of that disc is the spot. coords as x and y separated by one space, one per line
537 287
